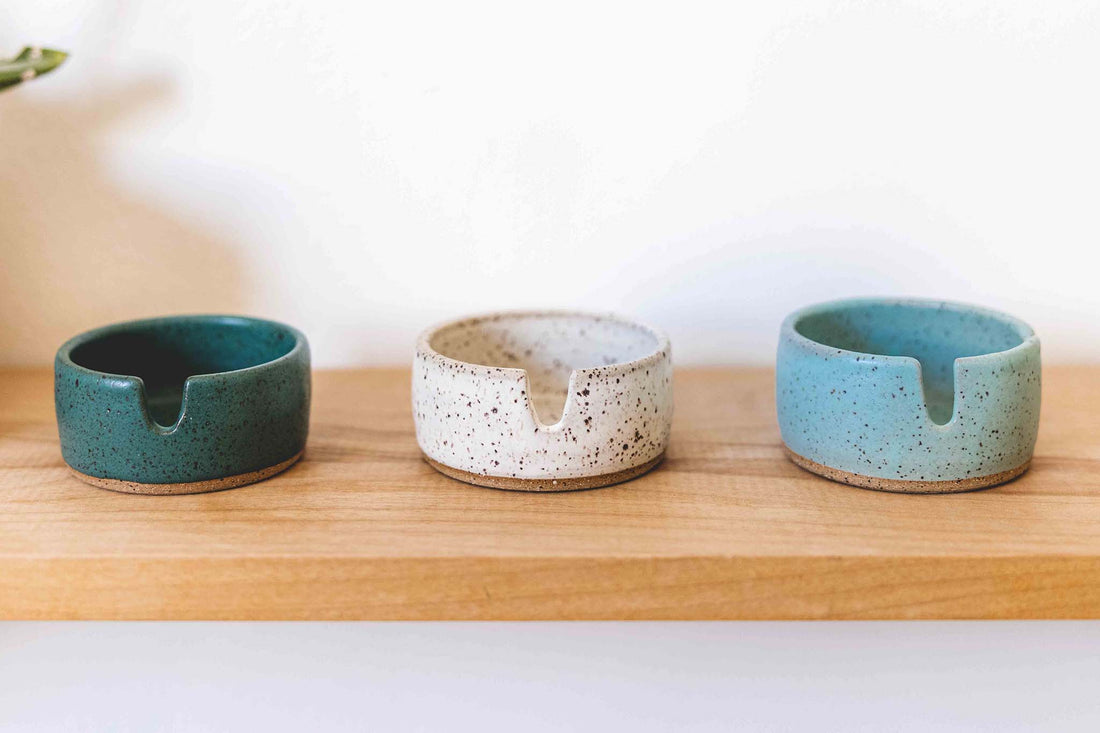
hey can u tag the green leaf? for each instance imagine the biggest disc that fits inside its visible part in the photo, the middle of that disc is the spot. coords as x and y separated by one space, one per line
31 62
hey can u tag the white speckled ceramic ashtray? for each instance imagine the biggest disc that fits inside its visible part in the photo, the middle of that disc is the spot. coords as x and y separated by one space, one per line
542 401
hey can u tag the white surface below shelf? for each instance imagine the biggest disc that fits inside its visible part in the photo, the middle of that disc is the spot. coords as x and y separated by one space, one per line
761 676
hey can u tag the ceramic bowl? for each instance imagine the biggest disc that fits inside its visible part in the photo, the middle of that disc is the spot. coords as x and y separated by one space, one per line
542 401
184 404
908 395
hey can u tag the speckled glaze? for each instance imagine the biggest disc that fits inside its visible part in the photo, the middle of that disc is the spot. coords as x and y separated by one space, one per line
542 401
908 395
182 404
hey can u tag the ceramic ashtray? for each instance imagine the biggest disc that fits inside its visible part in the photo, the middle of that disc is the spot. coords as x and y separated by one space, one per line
542 401
908 395
182 405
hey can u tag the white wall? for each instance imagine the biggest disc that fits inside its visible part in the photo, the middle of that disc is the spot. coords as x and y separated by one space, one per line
362 170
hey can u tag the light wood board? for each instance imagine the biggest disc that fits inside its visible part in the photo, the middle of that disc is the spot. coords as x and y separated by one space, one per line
725 528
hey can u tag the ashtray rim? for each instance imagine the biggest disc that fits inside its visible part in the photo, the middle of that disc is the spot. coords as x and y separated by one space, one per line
64 352
64 355
788 329
424 346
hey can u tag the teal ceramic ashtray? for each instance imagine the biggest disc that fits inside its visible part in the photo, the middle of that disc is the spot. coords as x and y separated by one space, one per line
182 405
908 395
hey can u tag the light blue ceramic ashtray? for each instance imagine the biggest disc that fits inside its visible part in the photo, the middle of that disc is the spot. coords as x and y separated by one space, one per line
908 395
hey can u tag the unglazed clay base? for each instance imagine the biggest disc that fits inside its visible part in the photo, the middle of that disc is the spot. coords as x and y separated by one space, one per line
906 487
530 484
192 487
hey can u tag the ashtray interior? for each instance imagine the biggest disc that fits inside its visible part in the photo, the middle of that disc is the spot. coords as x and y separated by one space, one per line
165 353
549 346
933 334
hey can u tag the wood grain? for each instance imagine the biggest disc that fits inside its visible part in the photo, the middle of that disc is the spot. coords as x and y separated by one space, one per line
725 527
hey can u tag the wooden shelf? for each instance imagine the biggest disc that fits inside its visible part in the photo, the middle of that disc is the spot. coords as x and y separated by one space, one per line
725 528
